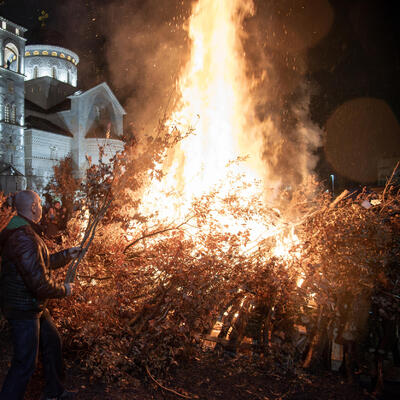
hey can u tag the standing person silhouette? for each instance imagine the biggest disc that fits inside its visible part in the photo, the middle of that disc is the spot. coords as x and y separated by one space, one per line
25 286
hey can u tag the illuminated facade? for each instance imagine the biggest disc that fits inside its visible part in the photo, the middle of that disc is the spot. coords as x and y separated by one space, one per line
52 61
44 117
12 157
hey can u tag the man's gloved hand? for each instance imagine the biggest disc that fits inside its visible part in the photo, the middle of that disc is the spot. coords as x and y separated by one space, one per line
74 252
69 287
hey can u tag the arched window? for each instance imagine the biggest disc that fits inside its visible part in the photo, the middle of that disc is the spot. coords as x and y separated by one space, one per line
11 57
13 114
35 72
102 122
53 152
54 72
97 112
7 113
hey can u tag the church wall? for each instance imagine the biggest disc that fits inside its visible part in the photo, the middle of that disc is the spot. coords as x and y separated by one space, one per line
75 121
12 146
12 120
96 106
43 150
12 92
68 119
110 146
78 120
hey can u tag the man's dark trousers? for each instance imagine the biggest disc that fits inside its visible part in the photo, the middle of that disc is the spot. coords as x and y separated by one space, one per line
27 335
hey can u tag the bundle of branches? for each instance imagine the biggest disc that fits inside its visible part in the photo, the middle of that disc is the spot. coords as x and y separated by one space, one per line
6 211
109 184
64 184
348 251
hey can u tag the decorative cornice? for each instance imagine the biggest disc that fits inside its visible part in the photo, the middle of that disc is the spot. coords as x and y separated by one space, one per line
13 24
42 50
9 71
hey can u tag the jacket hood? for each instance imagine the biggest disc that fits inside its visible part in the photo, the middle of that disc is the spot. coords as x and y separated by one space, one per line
16 222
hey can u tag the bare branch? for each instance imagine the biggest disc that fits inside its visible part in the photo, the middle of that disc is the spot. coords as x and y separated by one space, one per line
165 388
154 233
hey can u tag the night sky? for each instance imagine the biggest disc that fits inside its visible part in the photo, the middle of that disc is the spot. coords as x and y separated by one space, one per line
347 51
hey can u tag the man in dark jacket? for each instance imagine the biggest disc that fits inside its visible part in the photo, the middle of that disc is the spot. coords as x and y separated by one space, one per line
25 286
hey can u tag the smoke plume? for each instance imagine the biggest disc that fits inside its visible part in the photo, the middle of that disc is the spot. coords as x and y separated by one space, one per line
148 46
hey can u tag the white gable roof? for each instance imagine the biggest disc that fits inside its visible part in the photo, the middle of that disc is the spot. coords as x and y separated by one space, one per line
101 87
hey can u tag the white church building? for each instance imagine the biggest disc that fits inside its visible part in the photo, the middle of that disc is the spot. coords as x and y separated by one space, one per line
44 117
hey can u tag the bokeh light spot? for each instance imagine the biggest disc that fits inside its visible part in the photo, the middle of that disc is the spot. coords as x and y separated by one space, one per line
296 26
361 132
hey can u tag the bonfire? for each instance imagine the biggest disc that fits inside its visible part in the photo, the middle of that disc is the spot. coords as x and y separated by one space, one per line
197 246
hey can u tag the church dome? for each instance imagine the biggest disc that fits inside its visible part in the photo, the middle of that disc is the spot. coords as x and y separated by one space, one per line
53 61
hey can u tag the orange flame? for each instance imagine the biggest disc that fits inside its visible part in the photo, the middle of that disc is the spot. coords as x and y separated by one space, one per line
215 95
216 104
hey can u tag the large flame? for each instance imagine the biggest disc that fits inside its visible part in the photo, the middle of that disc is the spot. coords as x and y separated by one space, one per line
216 103
215 96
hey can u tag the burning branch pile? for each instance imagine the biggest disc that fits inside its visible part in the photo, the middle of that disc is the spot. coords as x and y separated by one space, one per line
188 257
151 296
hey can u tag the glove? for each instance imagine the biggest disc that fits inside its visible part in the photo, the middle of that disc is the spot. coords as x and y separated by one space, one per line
74 252
69 287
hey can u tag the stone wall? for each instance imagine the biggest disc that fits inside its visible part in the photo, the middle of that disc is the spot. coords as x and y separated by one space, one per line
43 150
110 147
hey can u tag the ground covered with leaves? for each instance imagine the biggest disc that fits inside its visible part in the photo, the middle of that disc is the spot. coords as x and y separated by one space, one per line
206 378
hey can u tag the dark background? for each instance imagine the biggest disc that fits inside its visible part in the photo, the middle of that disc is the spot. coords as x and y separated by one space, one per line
125 43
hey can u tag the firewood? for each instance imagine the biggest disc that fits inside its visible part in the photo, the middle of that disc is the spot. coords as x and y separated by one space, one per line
338 199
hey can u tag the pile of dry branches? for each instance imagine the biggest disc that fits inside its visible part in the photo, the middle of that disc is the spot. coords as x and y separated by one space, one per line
169 297
151 302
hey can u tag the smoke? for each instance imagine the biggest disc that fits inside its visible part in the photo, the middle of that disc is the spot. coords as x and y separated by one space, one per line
147 48
279 36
